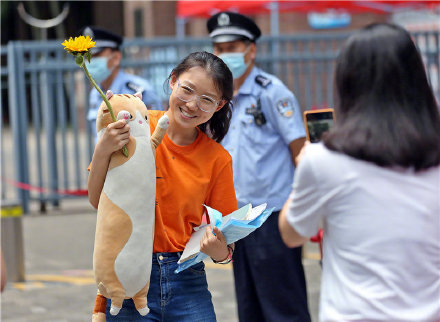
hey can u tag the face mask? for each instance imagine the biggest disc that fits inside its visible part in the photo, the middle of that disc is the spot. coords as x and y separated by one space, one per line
98 68
235 62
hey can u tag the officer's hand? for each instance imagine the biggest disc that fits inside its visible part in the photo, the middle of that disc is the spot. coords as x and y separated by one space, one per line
138 94
214 245
114 138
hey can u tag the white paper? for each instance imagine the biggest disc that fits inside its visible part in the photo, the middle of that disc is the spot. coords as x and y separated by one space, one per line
234 226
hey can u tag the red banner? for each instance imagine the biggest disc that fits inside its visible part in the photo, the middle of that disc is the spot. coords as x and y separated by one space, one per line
198 8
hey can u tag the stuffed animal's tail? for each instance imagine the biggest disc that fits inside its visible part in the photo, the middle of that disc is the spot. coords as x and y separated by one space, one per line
100 308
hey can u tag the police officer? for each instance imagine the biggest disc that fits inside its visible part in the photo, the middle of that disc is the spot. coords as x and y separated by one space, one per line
104 67
265 136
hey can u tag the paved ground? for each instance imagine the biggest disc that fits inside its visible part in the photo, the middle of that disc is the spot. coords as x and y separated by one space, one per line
59 282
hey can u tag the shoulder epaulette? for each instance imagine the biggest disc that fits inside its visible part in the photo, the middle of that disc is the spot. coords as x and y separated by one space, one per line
134 87
262 80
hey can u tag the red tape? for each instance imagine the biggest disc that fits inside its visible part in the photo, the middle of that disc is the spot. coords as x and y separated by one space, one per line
28 187
318 239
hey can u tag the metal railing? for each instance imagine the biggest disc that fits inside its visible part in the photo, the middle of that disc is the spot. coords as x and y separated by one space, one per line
45 142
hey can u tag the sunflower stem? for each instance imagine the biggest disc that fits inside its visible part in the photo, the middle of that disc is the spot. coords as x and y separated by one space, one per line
109 106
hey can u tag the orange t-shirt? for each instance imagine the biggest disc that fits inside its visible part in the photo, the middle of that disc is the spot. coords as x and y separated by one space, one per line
188 177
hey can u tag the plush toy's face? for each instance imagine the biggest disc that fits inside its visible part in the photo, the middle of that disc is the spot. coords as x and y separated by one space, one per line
128 107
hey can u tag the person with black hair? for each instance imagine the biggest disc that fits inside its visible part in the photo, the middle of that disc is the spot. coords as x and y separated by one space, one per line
192 170
105 68
374 182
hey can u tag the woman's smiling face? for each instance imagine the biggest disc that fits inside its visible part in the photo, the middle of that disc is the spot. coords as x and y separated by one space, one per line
188 114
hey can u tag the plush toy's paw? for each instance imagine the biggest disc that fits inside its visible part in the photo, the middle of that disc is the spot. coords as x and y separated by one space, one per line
98 317
144 311
124 115
163 122
114 310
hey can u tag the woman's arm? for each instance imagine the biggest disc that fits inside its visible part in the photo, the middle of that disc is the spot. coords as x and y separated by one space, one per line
222 198
289 235
114 138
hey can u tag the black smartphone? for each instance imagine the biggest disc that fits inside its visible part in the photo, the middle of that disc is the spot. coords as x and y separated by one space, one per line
317 122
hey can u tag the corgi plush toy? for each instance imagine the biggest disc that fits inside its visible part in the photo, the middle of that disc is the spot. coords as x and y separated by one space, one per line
125 222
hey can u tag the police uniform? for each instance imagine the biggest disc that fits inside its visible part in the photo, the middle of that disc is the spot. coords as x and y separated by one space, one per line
123 83
269 277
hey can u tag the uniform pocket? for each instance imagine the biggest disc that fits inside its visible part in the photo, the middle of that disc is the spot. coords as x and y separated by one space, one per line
253 133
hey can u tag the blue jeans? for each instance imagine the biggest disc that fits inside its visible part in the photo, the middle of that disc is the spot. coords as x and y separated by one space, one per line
172 297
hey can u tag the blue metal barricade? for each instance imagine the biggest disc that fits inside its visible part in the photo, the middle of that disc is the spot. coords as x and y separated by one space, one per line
46 144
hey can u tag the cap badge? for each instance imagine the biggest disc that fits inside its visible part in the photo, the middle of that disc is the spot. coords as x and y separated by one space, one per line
88 32
223 19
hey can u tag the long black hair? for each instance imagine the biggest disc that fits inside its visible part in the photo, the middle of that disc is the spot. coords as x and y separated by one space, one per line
217 126
386 112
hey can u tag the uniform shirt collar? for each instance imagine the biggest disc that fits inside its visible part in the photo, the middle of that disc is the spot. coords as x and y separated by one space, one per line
116 81
249 83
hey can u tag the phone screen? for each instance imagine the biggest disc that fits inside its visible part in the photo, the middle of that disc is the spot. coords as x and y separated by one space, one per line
318 122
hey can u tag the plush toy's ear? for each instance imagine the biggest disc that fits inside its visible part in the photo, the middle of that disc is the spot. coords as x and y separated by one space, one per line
109 94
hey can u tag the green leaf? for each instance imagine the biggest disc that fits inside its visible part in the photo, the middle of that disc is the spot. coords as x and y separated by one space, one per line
79 60
88 56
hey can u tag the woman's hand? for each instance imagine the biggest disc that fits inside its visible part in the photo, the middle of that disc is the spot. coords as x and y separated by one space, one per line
214 245
114 138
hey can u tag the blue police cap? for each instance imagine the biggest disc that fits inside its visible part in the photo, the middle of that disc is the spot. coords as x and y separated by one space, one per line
103 38
229 26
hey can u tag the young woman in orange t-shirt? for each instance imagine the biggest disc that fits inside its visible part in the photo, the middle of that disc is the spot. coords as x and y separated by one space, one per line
192 169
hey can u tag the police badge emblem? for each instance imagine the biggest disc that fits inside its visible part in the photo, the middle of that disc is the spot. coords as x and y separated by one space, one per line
223 19
285 107
88 32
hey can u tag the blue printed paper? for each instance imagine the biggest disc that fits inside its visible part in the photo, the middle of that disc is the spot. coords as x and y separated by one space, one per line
234 226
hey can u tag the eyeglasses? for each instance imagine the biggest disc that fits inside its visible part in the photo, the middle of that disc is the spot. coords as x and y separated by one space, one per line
187 94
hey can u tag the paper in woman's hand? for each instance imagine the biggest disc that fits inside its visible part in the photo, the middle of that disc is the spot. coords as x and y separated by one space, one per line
234 226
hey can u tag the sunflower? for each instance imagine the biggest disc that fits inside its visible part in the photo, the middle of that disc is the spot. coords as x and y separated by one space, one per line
80 48
79 45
